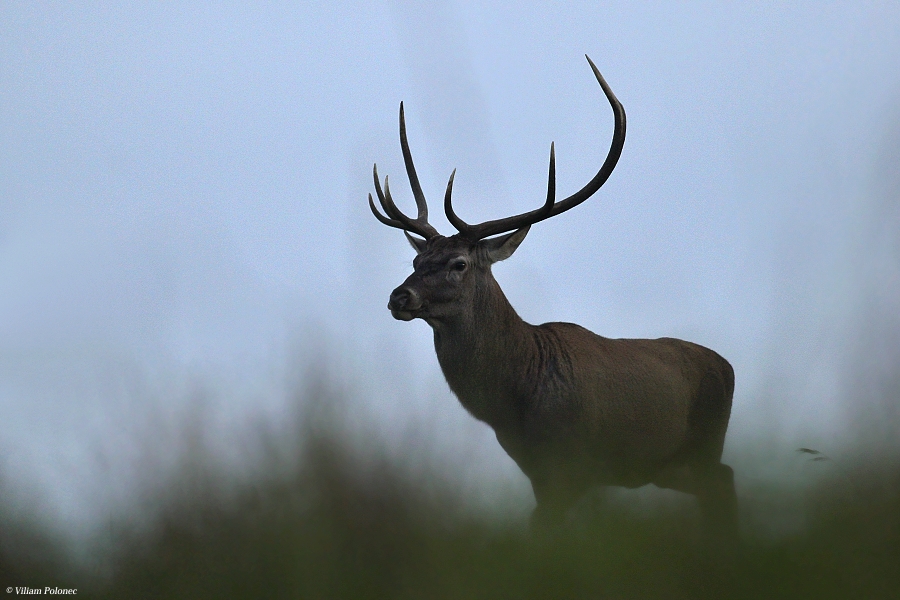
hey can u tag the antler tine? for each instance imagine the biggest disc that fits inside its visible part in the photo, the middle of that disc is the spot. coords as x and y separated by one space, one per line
389 208
411 170
422 227
612 157
477 232
395 217
387 201
551 208
387 205
382 218
461 226
545 210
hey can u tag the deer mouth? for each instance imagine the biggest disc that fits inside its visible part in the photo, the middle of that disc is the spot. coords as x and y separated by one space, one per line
404 315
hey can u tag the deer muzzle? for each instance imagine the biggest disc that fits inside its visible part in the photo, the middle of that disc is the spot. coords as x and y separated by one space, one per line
405 303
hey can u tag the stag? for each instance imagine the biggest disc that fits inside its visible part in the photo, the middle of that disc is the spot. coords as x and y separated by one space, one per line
573 409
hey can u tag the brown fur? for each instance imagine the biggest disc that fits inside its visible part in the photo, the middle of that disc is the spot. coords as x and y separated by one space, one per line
572 408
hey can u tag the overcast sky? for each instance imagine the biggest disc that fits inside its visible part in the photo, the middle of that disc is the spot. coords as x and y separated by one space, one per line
183 206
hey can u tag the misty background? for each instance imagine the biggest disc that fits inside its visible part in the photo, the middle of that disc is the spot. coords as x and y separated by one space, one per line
184 236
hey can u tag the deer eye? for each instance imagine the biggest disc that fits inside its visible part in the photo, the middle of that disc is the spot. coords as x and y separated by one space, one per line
459 265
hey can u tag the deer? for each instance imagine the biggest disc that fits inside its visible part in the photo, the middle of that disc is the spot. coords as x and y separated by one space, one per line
573 409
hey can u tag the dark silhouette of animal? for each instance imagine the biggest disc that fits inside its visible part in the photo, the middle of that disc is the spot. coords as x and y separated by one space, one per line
573 409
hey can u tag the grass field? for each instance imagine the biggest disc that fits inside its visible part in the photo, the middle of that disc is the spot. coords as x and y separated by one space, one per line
332 525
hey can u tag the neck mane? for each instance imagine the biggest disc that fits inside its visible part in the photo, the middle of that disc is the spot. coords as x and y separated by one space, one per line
482 351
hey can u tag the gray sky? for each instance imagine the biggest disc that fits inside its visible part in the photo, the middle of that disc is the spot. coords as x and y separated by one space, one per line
183 213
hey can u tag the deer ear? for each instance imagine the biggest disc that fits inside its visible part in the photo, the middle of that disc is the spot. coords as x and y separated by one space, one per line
501 248
417 244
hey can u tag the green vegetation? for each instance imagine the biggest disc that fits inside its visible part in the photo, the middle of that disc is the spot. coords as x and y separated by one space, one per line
332 525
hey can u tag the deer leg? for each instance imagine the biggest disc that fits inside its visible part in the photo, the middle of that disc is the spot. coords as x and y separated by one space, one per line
718 501
553 504
713 485
707 478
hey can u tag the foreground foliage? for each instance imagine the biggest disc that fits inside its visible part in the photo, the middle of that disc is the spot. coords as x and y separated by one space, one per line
330 528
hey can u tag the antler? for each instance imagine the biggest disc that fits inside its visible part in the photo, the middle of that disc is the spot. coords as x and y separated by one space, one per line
395 218
420 225
550 207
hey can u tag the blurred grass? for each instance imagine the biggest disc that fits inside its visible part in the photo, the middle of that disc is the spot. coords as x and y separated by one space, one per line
346 521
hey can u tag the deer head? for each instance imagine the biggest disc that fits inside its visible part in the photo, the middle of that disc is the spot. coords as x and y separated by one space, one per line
448 270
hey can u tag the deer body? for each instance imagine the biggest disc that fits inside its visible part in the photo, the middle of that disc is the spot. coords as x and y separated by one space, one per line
571 408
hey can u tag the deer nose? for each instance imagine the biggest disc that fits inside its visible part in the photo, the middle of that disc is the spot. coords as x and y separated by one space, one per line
405 299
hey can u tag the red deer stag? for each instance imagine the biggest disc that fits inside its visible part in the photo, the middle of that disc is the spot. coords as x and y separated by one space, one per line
572 408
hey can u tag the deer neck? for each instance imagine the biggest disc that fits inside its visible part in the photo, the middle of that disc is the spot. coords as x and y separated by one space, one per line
481 351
